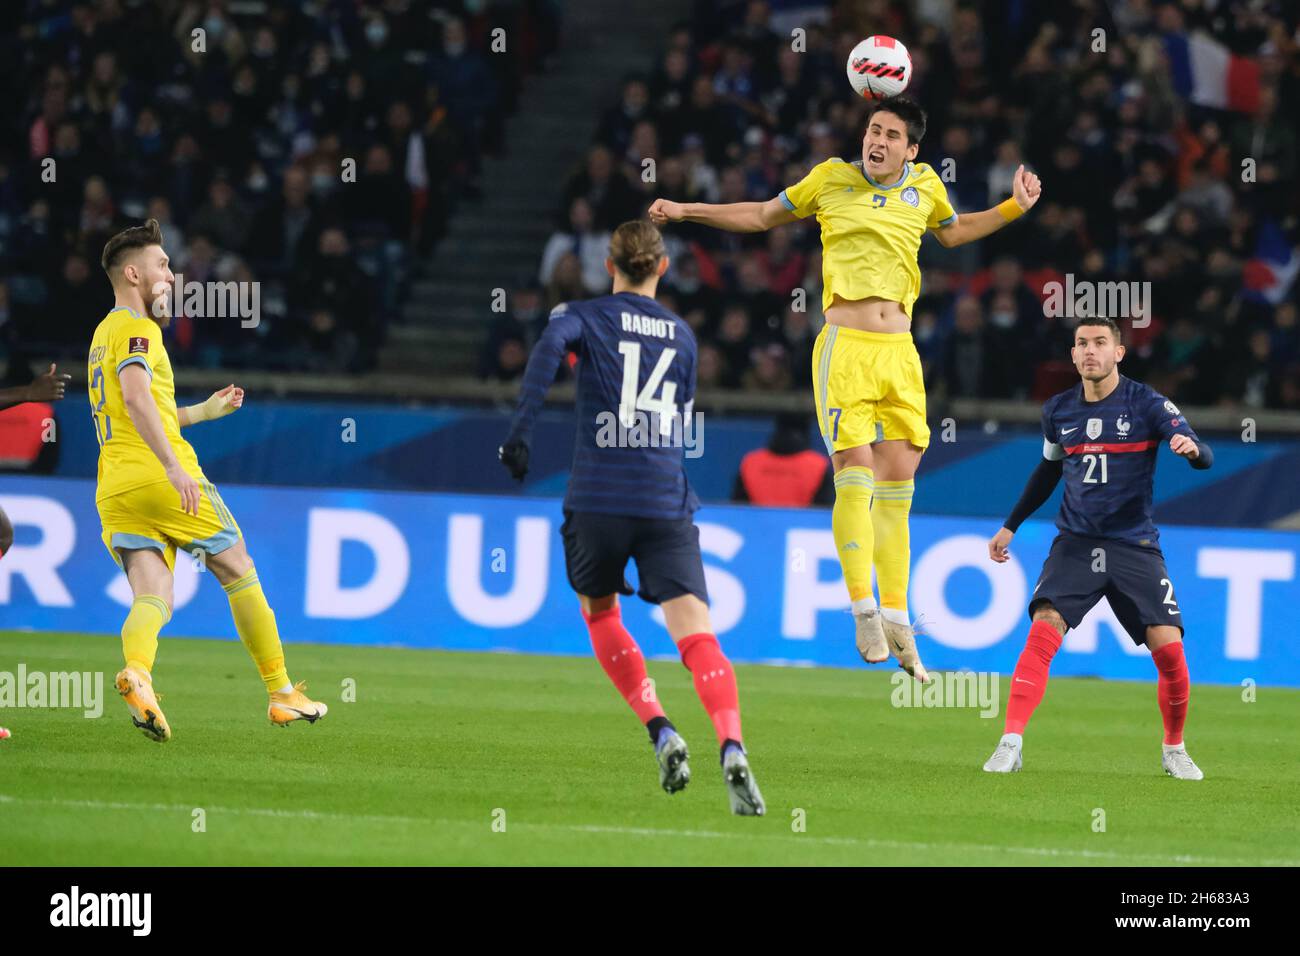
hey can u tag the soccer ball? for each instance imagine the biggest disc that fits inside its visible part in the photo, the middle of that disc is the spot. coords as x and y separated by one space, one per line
879 67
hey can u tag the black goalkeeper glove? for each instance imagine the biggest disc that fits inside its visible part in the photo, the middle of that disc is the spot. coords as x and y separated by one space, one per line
514 455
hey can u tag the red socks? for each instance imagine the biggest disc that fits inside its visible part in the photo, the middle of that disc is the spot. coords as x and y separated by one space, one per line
1029 680
1172 689
715 683
621 658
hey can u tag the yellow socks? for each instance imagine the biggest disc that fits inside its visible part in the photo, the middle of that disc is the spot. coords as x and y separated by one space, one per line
140 630
255 622
852 528
893 550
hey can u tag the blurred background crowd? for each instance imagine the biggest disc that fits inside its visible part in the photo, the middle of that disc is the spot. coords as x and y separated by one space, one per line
1141 183
231 124
241 150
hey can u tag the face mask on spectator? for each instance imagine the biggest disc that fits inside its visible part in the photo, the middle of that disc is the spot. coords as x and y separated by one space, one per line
376 32
215 27
1003 320
322 183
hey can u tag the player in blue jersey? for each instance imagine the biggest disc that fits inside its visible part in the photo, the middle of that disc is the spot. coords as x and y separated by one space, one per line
628 496
1103 435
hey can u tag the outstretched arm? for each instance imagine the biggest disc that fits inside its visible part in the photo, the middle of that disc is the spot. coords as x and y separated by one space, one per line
1042 482
563 330
733 217
1026 188
45 388
218 405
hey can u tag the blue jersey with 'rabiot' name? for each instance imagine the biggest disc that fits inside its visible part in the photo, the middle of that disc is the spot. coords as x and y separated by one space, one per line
636 391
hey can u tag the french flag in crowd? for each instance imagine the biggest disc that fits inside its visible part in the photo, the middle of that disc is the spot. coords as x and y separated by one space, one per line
1269 274
1209 74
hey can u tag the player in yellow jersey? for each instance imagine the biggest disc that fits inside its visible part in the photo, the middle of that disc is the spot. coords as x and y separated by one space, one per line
153 497
867 379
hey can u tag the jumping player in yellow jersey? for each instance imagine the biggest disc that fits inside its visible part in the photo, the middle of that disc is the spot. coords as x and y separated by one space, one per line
152 495
867 380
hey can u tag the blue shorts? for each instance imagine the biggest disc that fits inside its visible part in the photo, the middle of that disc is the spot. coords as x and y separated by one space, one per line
667 553
1080 571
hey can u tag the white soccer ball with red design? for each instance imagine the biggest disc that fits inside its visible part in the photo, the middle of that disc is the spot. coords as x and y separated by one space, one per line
879 67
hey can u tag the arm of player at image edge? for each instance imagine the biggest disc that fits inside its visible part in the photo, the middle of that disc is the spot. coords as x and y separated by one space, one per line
143 411
1042 482
1026 189
48 387
732 217
563 331
217 405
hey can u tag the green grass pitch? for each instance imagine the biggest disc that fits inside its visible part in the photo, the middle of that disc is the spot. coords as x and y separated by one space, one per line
457 758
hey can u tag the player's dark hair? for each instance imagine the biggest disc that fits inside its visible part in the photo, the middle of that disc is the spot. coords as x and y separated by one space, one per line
906 109
137 237
636 248
1099 320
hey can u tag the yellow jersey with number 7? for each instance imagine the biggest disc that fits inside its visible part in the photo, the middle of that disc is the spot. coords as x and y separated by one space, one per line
870 233
127 338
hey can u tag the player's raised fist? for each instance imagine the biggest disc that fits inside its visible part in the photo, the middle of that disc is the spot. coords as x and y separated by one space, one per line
1182 445
231 395
665 210
514 455
1026 188
998 545
50 386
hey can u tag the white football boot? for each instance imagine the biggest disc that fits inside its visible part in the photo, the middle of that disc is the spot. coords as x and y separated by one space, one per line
902 641
871 636
1177 764
1006 758
742 790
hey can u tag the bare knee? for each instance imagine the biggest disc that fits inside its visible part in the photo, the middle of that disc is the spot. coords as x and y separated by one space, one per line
686 615
147 573
1045 612
6 533
230 565
1159 635
897 459
858 456
596 605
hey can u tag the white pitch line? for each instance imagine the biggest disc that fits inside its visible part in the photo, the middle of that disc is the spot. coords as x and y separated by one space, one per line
869 843
239 811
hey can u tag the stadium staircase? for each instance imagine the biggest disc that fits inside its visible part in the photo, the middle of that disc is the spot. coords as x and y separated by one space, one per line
496 242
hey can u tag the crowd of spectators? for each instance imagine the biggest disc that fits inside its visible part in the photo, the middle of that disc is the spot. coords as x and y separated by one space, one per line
1140 184
315 147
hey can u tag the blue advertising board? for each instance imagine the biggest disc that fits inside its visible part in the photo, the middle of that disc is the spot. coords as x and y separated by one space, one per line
478 572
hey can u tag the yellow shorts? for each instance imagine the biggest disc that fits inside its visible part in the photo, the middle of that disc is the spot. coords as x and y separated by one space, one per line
868 387
151 517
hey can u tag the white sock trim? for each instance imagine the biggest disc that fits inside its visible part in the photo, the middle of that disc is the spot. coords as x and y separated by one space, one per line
864 605
895 616
1171 748
1013 739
